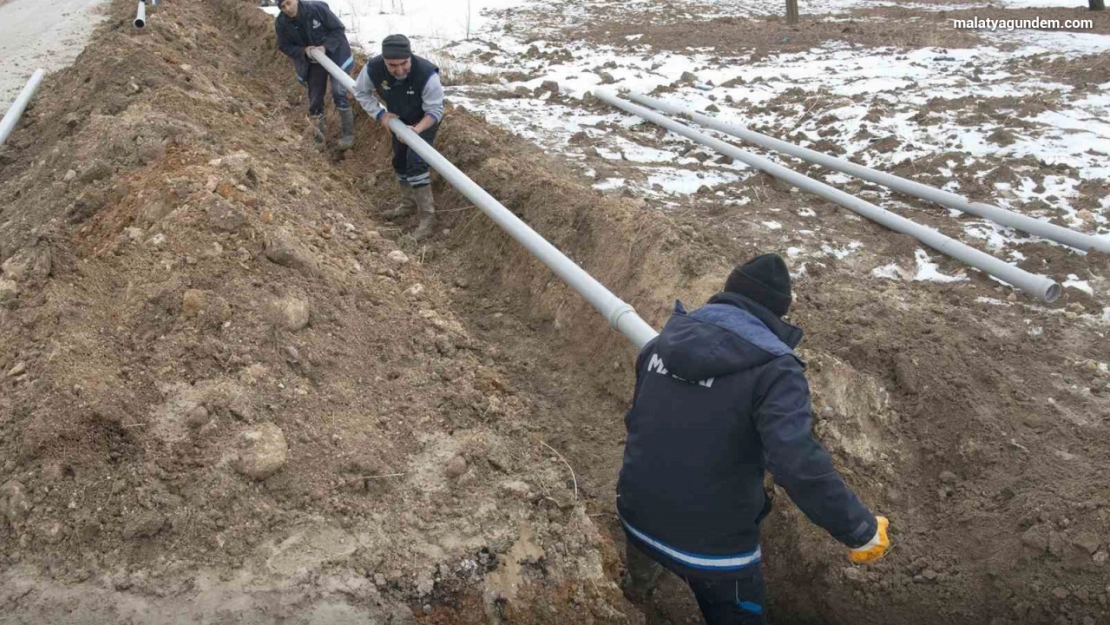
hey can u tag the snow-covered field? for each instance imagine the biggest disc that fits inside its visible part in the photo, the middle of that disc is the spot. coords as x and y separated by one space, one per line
430 24
899 83
874 96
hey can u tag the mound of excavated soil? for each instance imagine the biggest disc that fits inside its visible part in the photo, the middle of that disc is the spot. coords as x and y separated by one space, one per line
228 390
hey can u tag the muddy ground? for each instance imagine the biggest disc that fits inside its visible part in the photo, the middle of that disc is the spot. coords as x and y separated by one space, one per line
231 392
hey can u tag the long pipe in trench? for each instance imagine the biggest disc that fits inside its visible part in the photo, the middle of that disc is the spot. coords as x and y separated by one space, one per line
998 215
1041 287
15 111
621 315
140 15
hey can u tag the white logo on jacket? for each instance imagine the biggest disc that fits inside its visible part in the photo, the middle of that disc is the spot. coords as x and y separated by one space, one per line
316 24
655 365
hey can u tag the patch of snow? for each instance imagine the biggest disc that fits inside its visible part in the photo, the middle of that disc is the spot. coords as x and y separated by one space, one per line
1074 282
889 272
685 181
927 270
990 300
996 236
843 252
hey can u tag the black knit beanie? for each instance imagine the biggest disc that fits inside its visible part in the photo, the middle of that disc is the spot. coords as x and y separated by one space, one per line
765 280
396 47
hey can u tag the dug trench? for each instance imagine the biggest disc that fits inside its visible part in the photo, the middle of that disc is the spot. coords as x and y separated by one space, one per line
230 391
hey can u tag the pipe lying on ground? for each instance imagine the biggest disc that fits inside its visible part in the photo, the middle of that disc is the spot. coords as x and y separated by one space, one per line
621 315
1041 287
1067 236
140 15
15 111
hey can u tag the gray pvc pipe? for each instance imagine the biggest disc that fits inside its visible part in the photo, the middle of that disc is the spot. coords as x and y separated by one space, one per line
620 314
1002 216
140 15
15 111
1041 287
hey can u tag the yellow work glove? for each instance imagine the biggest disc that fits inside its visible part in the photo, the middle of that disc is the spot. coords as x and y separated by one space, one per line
875 548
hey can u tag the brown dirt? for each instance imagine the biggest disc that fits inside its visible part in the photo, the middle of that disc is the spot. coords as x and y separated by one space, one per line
666 29
203 278
1101 22
763 36
132 365
920 383
1084 73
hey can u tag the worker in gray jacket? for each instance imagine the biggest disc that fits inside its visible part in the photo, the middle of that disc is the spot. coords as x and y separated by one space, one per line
409 86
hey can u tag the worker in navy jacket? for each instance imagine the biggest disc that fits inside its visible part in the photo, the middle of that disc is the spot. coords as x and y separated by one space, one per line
411 90
304 26
720 398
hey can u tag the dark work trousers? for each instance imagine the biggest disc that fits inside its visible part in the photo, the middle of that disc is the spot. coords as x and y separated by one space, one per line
737 600
318 85
409 166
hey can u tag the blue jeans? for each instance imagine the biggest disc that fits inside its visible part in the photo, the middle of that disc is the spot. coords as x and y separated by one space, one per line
736 600
407 163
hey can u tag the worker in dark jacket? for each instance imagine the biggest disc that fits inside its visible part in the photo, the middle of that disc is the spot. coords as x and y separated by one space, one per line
409 86
304 26
720 398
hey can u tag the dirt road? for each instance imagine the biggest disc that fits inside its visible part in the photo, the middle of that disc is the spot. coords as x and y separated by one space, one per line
41 34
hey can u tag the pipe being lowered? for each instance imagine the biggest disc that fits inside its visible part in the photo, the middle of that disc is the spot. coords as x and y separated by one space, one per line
15 111
998 215
140 15
1041 287
621 315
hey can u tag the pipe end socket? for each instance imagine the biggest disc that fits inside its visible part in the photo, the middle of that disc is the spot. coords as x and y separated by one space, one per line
1052 293
140 23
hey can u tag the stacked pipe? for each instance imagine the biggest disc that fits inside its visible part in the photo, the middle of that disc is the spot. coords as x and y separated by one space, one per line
1041 287
1078 240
